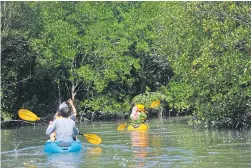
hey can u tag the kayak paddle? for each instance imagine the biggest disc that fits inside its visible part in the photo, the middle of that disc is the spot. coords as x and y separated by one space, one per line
27 115
154 104
92 138
121 127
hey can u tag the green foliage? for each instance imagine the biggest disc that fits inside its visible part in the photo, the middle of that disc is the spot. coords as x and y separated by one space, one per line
210 68
178 95
17 60
107 55
5 116
148 98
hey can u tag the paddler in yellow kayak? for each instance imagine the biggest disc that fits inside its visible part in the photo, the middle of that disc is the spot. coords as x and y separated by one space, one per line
138 115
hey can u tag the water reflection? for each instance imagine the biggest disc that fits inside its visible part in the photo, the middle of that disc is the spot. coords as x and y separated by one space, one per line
95 151
93 156
59 160
168 143
29 165
140 144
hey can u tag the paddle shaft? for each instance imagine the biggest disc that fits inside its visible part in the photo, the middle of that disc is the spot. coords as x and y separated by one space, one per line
87 136
92 138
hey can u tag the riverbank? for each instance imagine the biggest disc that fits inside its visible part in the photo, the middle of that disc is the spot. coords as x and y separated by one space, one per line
15 123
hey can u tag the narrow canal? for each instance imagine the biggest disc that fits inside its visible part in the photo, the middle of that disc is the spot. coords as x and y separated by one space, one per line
168 143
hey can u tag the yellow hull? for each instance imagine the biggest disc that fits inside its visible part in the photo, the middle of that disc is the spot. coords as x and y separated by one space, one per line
141 127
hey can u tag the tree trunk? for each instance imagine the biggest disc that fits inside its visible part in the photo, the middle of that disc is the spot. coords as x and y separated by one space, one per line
73 93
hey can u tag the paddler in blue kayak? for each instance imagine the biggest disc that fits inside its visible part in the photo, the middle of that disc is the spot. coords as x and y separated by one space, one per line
138 115
73 115
64 127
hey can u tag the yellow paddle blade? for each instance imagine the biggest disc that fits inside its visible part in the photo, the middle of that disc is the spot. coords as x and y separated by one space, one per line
121 127
155 104
93 138
27 115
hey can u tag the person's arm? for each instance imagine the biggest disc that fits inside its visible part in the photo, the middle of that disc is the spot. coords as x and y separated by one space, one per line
74 110
133 115
142 115
51 128
75 130
55 116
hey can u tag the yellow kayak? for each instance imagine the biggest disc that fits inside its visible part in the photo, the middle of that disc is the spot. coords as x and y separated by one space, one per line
133 127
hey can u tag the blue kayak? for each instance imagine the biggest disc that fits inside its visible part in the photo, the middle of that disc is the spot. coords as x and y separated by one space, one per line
62 147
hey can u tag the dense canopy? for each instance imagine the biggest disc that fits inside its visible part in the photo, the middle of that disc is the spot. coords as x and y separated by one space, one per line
193 56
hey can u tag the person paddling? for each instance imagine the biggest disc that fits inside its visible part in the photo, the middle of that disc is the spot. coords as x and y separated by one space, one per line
73 115
138 115
64 127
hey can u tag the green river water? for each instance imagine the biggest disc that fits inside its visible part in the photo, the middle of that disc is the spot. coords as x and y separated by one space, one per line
168 143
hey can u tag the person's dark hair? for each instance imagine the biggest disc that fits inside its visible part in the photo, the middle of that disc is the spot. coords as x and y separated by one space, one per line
65 112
